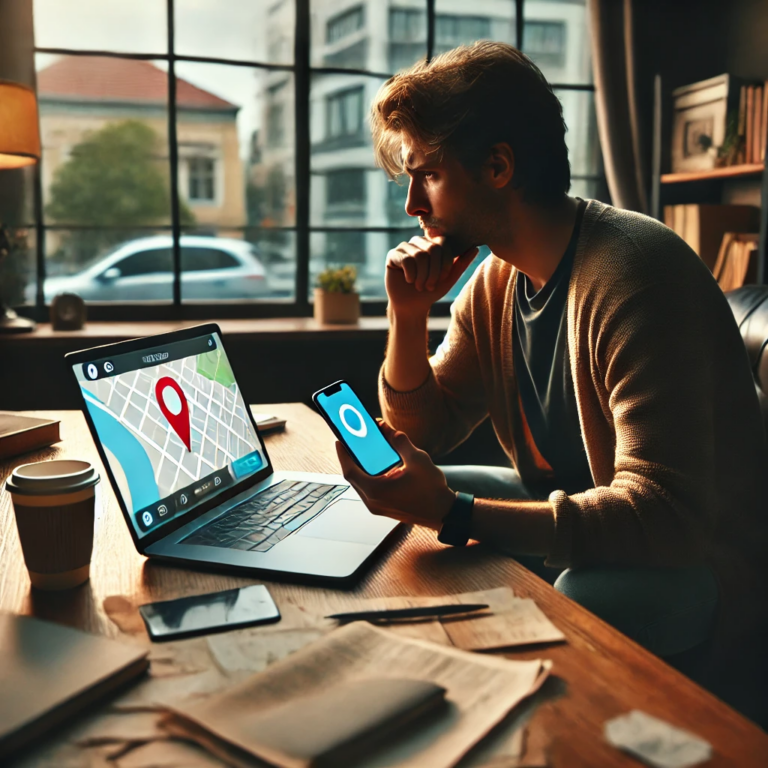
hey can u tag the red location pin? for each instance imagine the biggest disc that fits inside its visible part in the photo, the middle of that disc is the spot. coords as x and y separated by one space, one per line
174 406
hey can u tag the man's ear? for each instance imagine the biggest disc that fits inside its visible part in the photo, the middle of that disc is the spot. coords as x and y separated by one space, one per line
499 168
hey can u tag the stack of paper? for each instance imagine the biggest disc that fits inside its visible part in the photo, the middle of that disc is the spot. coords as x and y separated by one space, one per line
480 692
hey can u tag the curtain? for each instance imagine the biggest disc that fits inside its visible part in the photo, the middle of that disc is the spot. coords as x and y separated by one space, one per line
613 62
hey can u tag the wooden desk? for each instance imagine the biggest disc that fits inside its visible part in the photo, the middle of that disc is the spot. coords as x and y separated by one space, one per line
604 673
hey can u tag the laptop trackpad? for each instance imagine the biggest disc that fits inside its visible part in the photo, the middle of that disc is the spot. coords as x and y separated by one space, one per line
348 520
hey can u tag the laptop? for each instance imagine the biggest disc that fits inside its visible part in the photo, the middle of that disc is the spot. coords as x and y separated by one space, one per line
192 474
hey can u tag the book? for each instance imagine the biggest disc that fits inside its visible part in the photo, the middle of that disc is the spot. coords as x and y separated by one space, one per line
736 261
764 123
702 226
742 127
49 672
757 142
266 422
750 127
21 434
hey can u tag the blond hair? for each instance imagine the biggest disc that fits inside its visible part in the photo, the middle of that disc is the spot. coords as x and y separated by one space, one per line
467 100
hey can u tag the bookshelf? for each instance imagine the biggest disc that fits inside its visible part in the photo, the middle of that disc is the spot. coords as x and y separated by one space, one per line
701 186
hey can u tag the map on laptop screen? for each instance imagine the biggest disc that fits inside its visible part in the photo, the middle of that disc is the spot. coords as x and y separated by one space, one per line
173 425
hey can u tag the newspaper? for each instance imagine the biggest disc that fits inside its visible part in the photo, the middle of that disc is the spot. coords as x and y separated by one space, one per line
481 691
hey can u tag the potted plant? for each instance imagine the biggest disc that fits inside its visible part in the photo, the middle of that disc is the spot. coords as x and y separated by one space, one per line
336 300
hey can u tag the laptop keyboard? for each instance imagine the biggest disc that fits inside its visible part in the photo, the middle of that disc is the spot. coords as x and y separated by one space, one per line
261 521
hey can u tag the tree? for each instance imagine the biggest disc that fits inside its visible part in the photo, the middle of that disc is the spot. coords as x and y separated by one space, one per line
112 183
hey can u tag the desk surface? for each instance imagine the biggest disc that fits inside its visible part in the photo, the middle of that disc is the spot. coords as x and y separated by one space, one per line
605 674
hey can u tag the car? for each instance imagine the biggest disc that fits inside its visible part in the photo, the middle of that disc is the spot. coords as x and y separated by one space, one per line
142 270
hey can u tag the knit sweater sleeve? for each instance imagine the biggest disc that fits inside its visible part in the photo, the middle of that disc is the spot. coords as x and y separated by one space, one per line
655 364
447 407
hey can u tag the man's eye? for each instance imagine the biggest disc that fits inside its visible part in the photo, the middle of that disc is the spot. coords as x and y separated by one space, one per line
429 174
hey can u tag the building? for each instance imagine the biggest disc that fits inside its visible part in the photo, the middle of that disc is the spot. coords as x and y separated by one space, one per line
79 95
347 190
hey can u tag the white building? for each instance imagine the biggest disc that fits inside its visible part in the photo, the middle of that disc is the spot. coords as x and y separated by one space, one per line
382 36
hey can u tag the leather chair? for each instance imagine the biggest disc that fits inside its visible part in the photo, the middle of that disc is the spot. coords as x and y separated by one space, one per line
750 308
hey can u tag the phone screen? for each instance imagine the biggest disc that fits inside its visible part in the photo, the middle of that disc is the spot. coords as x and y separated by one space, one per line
356 428
216 611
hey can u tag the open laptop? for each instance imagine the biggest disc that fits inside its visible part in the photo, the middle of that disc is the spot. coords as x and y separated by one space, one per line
192 474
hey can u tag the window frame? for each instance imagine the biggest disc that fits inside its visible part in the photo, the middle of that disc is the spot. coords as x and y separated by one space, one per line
302 70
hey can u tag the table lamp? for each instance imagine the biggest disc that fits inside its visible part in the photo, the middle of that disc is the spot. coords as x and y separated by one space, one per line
19 146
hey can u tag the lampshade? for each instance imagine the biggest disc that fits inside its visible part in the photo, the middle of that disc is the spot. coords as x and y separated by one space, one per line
19 128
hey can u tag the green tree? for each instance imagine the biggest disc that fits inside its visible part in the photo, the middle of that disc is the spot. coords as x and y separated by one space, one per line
113 182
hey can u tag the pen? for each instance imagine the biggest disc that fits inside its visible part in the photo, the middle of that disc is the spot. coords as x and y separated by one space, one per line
408 613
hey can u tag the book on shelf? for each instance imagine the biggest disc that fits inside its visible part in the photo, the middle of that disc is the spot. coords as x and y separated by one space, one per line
764 123
757 140
702 226
736 263
21 434
752 124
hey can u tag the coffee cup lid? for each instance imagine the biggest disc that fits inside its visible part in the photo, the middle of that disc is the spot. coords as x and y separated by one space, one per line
46 478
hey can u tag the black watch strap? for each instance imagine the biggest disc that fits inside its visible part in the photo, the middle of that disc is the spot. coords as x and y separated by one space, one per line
457 524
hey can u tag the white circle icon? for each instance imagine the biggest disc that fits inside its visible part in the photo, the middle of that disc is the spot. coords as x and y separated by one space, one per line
171 400
92 371
108 367
362 430
147 518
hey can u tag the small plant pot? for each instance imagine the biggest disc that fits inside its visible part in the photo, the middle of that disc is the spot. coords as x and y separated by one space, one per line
336 307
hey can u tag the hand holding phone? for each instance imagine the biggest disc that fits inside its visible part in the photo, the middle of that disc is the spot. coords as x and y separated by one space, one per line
356 428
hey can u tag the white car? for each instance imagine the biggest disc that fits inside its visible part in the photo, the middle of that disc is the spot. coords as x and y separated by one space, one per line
142 270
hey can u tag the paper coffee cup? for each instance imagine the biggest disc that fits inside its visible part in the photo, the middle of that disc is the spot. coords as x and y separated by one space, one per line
54 506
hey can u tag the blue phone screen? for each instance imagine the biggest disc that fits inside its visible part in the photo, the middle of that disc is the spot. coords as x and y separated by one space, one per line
359 431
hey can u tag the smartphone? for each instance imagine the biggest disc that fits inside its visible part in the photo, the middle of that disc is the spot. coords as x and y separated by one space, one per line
356 428
212 612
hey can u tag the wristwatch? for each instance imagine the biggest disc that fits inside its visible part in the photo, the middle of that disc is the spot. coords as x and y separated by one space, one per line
457 523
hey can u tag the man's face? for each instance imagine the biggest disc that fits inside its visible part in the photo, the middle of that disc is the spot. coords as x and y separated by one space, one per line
448 200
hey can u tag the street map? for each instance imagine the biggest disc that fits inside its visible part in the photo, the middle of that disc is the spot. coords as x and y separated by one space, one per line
146 448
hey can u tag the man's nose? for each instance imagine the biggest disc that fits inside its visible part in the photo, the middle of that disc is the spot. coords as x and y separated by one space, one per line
416 204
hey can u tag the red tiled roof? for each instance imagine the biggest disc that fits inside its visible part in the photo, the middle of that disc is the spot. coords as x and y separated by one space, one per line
104 78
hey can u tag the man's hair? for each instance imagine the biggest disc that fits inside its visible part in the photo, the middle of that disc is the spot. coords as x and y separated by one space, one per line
467 100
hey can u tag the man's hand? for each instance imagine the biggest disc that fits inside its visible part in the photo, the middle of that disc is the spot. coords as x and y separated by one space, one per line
420 272
415 493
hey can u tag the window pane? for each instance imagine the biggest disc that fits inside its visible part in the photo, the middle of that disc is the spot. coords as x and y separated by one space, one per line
581 137
347 189
104 129
109 264
248 264
139 26
235 131
464 23
366 251
367 35
250 30
407 36
556 37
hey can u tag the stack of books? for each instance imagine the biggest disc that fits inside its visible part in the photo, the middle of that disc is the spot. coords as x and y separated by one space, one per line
737 260
753 123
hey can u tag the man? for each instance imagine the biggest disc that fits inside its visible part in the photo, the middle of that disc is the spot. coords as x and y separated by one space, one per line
601 348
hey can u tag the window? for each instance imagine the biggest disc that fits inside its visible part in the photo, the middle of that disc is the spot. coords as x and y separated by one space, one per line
345 24
545 42
344 113
199 259
202 181
451 31
346 186
149 262
247 122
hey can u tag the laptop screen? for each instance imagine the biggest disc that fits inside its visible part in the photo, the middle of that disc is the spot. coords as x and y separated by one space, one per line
173 426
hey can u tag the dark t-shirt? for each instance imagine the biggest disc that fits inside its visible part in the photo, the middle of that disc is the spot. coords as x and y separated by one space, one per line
542 366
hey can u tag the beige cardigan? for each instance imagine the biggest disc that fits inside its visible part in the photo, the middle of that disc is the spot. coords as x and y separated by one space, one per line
667 406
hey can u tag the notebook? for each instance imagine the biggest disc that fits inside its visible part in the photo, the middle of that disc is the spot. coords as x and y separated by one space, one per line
49 672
